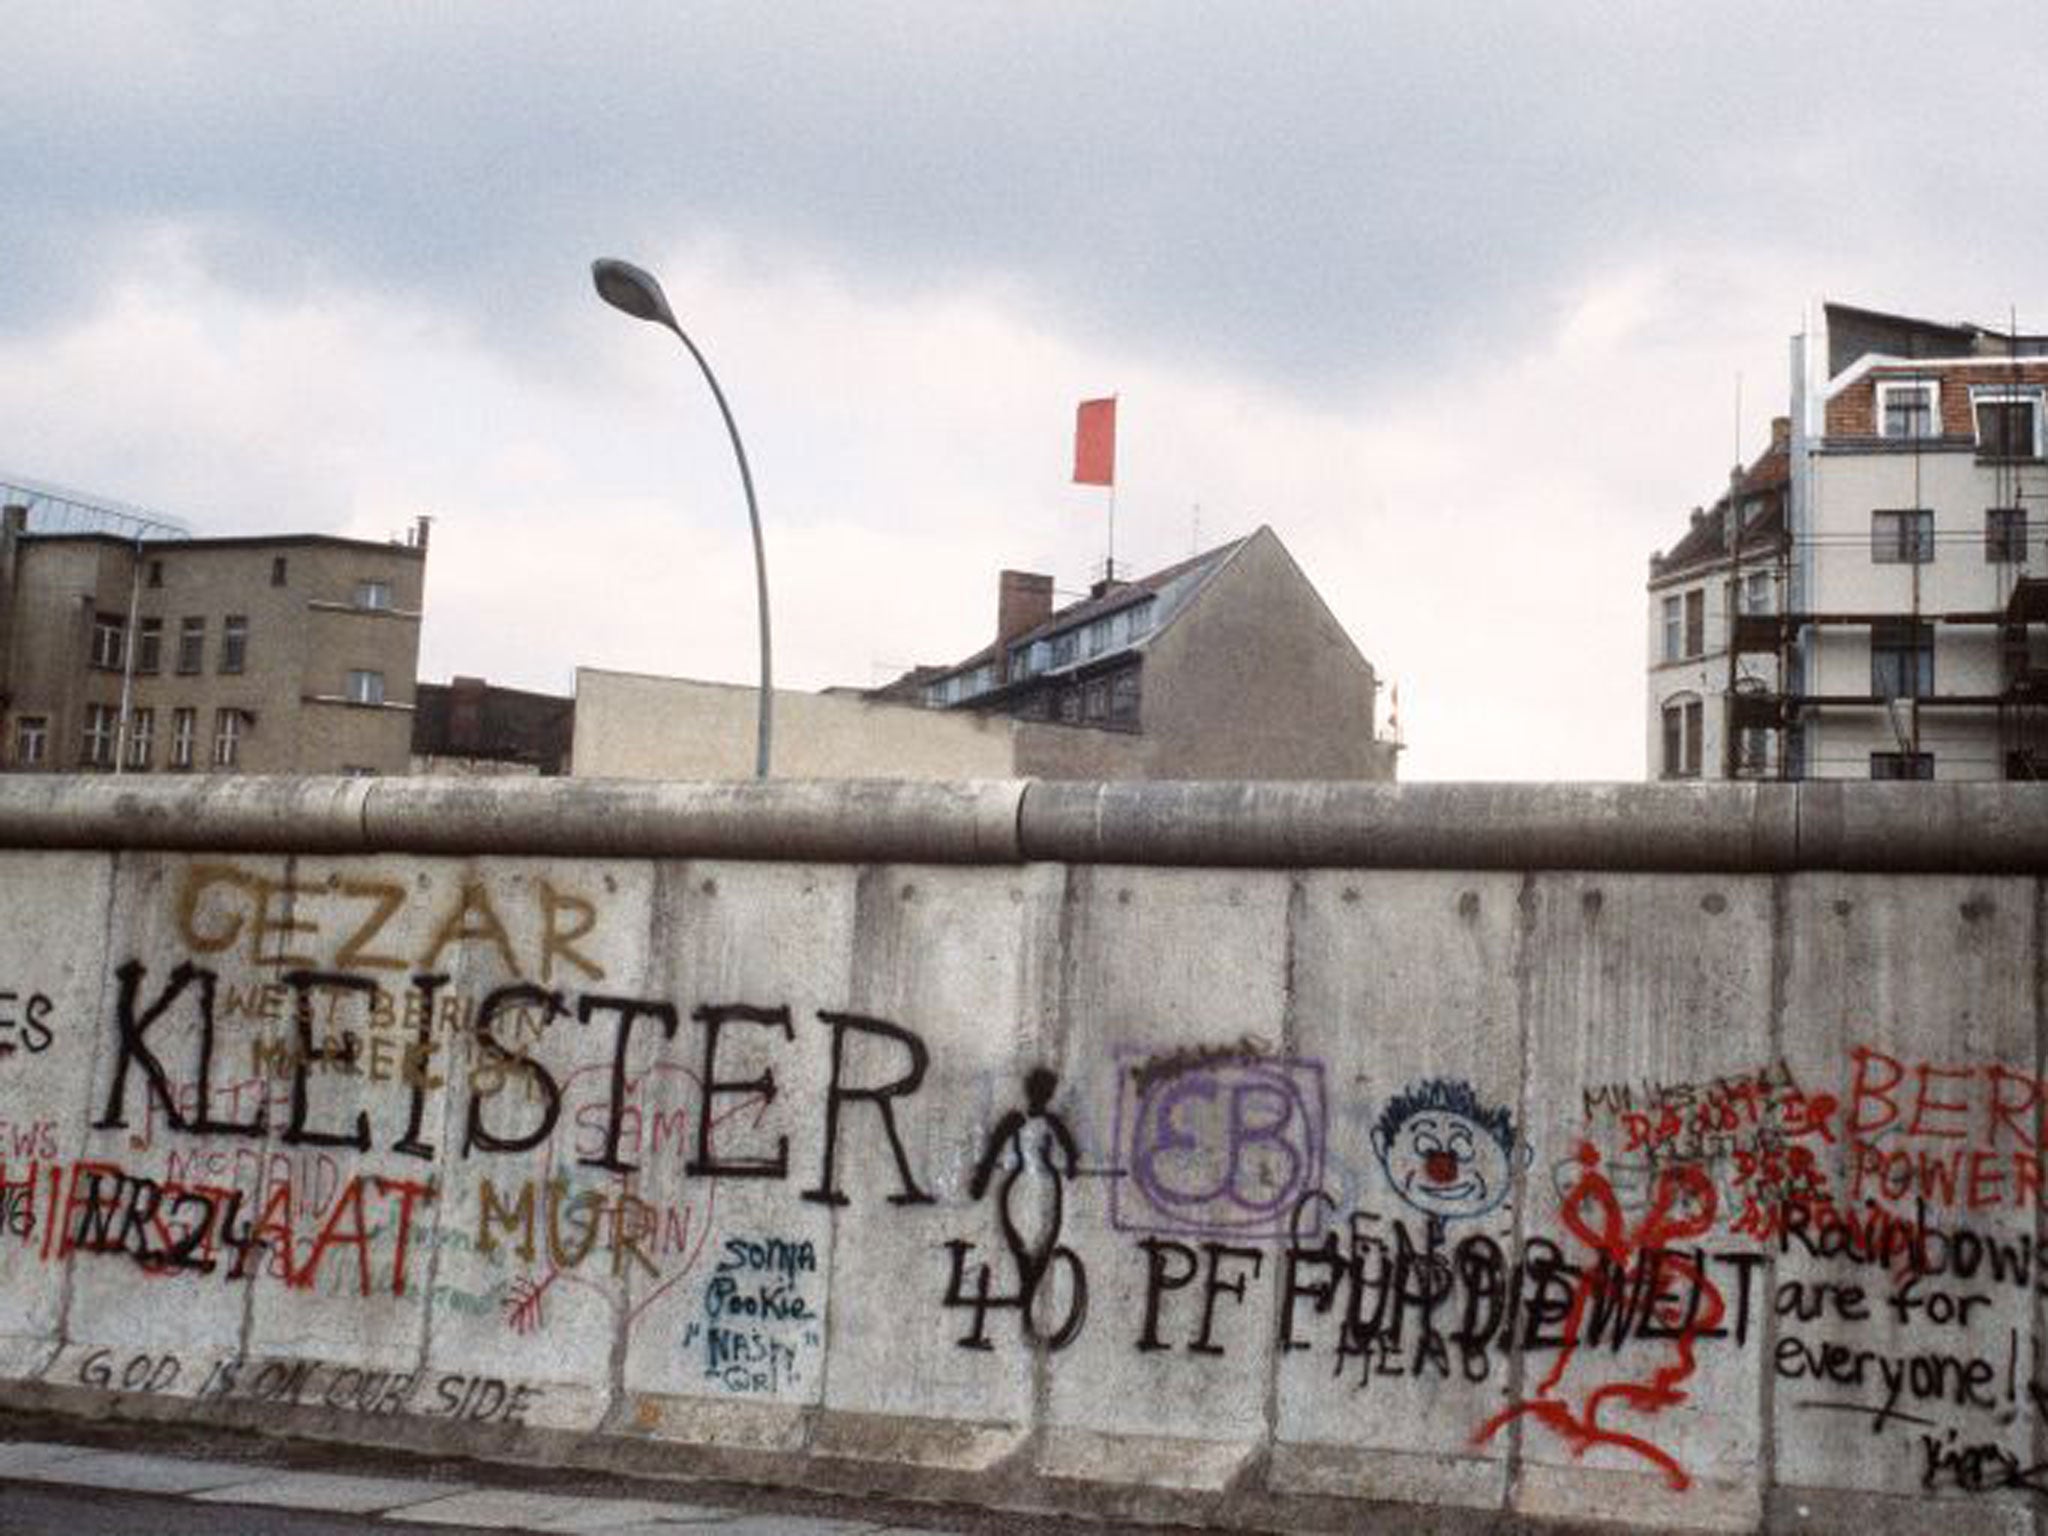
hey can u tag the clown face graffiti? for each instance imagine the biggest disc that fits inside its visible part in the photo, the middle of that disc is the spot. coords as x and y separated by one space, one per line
1444 1152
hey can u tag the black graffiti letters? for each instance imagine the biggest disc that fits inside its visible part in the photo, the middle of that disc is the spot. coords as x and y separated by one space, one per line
27 1030
882 1097
714 1020
630 1011
1172 1266
875 1064
540 1080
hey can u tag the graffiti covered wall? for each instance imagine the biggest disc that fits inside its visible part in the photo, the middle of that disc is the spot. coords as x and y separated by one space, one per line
1691 1198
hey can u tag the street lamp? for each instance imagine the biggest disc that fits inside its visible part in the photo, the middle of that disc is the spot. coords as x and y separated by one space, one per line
635 292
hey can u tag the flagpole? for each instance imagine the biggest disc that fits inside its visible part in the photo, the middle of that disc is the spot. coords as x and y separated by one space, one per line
1109 572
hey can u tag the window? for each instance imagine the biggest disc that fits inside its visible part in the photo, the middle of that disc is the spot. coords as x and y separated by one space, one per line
1695 622
184 725
99 736
1123 697
278 569
1902 537
31 740
2005 535
1682 723
368 687
234 642
1095 700
1902 659
1674 628
141 736
1755 747
156 573
108 632
2008 426
1902 765
149 646
373 594
227 737
1907 408
1757 593
1063 649
191 645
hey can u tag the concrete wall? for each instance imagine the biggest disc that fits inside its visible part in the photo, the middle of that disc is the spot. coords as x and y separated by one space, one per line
630 726
1251 1153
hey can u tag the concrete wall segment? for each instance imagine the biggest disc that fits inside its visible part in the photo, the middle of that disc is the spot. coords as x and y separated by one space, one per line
847 1240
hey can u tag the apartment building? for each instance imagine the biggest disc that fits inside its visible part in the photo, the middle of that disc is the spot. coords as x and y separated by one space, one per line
1695 589
1225 665
1910 639
286 654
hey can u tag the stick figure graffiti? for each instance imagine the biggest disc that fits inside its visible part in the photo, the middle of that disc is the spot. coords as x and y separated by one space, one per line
1030 1208
1447 1154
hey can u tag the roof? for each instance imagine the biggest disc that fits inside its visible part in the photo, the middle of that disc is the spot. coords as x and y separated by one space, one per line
1706 540
1855 333
1172 585
155 546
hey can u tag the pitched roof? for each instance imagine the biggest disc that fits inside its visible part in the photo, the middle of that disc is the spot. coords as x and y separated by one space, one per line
1765 481
1172 585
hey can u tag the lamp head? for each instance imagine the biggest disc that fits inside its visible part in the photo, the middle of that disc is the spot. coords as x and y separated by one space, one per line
630 289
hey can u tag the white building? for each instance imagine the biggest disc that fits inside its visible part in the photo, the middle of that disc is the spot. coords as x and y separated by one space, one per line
1691 675
1909 633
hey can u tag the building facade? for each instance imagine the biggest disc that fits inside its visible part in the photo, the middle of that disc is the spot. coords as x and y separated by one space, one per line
1694 590
1910 639
1225 666
293 654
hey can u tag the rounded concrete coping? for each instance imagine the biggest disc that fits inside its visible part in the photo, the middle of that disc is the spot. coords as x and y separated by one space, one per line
850 821
1961 828
1927 828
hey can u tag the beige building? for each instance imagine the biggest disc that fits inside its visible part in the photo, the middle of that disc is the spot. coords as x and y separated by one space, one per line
632 726
1225 666
291 654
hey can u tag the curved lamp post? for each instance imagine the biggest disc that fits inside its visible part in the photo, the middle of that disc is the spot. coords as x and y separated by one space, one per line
627 288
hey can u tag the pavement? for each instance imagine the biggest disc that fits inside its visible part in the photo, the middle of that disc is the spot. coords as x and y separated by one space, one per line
62 1485
72 1477
66 1488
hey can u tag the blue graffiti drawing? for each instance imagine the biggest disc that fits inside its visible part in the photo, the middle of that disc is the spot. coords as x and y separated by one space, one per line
1447 1154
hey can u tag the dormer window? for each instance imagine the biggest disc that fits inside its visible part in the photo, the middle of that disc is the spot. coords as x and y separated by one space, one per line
2008 424
1908 408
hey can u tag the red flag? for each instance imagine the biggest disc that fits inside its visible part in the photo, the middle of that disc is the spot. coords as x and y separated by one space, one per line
1095 442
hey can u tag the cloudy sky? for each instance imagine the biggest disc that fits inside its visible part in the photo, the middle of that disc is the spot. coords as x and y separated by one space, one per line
1458 298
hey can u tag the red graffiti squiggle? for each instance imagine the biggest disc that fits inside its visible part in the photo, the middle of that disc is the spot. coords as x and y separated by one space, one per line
1681 1209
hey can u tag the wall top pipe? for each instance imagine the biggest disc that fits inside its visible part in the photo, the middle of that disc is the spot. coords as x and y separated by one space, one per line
1965 828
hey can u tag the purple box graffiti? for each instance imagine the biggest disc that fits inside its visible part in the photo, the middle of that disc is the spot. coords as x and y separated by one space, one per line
1216 1144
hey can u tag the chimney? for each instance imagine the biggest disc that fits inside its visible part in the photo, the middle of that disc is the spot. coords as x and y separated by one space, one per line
418 538
466 714
1023 602
1781 432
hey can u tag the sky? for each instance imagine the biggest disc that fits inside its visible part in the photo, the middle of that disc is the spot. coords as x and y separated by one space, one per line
1471 303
